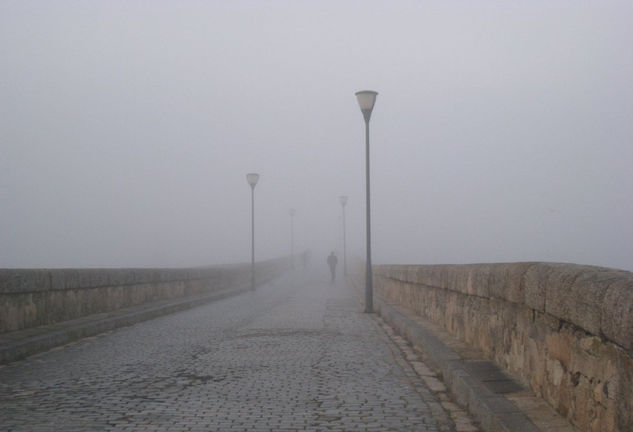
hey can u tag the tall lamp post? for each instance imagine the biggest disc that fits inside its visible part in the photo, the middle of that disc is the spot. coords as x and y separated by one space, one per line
292 212
252 179
343 201
366 101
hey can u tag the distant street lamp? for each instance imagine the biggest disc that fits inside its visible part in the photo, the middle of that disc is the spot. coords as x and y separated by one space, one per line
252 179
366 101
343 201
292 212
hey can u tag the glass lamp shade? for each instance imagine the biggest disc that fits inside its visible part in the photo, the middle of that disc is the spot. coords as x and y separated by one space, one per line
252 179
366 101
342 200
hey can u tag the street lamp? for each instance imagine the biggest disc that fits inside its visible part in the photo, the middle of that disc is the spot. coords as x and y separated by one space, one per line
292 212
252 179
343 201
366 101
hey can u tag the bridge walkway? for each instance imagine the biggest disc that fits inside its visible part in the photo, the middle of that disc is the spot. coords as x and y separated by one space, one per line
294 355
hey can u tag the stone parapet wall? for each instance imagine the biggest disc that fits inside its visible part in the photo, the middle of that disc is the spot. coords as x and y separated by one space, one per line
566 331
34 297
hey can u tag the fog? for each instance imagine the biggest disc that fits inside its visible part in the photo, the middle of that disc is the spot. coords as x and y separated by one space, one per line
501 132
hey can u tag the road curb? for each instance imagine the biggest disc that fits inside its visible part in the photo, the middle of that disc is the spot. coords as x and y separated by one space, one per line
21 344
492 409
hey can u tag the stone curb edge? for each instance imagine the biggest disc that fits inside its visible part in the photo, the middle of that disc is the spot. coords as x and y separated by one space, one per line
493 411
85 327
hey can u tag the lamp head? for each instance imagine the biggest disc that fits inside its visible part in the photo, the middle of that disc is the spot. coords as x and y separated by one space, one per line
252 179
343 200
292 212
366 101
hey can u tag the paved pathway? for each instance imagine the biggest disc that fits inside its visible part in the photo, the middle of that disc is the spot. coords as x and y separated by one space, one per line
292 356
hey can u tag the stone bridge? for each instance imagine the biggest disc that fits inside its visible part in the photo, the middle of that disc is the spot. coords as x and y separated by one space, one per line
490 347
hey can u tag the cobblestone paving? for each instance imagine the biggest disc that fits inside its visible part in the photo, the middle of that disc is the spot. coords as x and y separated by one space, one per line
292 356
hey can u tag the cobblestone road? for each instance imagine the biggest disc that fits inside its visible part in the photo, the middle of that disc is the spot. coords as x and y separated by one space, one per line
293 355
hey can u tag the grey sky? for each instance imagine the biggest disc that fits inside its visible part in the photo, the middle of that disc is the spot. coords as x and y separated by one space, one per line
502 131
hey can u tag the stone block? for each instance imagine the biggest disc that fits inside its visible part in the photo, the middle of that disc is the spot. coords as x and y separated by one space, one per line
24 280
620 389
475 280
575 294
435 276
617 313
558 289
535 286
513 287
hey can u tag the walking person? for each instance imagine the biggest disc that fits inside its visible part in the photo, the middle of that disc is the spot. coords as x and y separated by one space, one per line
332 261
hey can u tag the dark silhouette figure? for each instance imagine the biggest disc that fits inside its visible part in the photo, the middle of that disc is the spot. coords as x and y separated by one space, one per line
332 261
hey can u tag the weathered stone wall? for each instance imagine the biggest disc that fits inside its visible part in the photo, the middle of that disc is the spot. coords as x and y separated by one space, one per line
566 331
33 297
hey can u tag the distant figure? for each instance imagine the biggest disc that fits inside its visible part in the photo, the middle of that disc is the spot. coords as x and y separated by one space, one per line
332 261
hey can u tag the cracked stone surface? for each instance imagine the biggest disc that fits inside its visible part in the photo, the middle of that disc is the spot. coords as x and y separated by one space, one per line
291 356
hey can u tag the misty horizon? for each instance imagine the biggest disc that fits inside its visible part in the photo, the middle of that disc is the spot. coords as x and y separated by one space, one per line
501 133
